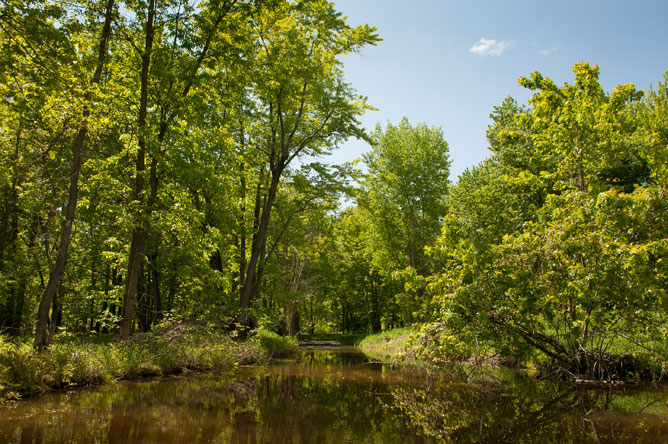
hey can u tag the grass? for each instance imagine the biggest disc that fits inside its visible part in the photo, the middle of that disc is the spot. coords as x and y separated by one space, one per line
389 345
70 362
276 346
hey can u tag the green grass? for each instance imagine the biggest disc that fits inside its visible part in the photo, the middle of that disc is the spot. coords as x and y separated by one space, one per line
277 346
69 362
388 345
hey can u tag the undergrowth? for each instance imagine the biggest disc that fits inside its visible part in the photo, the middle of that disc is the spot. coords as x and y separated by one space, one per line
277 346
71 361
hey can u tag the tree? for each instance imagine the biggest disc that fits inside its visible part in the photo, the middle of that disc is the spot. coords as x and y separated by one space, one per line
582 131
404 193
405 190
304 105
177 81
56 273
544 252
652 133
41 95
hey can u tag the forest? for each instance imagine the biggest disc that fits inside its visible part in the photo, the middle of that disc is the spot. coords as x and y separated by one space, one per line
164 162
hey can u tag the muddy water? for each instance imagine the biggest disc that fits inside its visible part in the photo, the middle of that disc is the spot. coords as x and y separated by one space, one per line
338 397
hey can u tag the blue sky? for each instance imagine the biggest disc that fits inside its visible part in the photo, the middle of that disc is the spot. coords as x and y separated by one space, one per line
447 63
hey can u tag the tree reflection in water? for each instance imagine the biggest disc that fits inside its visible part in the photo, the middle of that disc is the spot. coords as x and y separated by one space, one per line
534 413
337 397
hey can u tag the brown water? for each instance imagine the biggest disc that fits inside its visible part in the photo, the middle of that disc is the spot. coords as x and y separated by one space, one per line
338 397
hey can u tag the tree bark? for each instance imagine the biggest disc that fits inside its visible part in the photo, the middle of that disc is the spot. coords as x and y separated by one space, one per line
293 321
259 242
56 316
242 219
8 238
4 225
156 302
139 233
58 269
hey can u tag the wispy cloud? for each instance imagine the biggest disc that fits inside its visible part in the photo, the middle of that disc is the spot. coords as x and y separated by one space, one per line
490 47
547 51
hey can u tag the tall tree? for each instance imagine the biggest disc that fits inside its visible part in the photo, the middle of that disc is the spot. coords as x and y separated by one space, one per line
544 252
56 273
405 190
178 80
37 118
305 106
404 193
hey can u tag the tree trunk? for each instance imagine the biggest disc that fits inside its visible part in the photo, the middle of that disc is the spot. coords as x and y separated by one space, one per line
376 325
156 302
293 321
56 316
259 241
143 300
58 269
4 225
138 241
173 285
11 313
242 210
132 281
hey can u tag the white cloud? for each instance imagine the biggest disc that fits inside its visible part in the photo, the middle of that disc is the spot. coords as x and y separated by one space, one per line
547 51
490 47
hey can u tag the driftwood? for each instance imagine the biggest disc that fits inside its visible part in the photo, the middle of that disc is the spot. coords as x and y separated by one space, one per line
319 343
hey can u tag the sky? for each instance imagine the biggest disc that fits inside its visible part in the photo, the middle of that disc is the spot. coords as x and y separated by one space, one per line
448 63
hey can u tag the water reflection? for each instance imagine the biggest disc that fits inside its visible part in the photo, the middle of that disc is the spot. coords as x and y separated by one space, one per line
534 413
336 396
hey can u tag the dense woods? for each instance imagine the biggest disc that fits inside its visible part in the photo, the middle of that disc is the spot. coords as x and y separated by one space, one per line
165 161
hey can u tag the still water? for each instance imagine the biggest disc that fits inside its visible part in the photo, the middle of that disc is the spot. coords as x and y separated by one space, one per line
337 396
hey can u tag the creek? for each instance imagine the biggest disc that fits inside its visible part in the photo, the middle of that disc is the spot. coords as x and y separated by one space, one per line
338 396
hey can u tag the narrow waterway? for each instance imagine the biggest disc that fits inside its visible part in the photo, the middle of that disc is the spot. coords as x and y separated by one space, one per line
337 396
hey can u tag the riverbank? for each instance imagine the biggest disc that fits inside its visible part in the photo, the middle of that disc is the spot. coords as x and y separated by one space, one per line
336 395
95 360
387 346
409 346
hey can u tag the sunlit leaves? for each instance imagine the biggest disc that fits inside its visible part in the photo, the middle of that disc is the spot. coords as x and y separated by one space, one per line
555 246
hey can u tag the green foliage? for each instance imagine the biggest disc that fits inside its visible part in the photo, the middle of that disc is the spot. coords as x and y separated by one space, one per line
652 134
525 411
404 192
555 248
275 345
234 92
374 256
202 161
582 131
